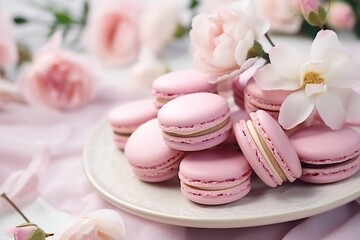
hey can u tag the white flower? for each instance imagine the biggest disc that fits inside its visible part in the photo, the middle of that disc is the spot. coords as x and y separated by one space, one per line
323 83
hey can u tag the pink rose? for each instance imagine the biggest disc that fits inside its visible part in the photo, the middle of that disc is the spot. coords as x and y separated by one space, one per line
112 32
60 79
341 16
282 15
8 48
222 39
155 33
104 224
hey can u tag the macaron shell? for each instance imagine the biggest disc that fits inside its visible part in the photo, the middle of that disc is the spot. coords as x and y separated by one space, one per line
216 197
214 169
120 141
268 100
146 150
331 174
183 82
278 143
193 112
238 93
128 116
321 145
254 156
178 83
235 116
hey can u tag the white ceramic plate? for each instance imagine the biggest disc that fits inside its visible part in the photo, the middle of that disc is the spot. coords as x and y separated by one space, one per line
108 171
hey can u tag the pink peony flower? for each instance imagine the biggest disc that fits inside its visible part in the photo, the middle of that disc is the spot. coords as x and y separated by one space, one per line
8 48
104 224
213 5
221 40
112 32
341 16
155 32
60 79
282 15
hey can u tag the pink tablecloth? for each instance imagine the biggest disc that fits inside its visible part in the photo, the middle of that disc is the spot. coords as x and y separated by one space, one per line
64 185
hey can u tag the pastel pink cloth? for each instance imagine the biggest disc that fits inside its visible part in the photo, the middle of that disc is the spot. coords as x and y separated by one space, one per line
64 185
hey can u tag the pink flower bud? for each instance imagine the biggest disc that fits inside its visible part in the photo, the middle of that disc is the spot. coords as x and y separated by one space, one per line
308 6
313 12
27 231
341 16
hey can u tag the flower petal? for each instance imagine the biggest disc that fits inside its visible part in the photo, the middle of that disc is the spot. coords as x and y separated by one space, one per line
351 102
311 89
108 222
318 67
287 61
22 186
269 79
331 110
343 73
295 109
326 46
243 47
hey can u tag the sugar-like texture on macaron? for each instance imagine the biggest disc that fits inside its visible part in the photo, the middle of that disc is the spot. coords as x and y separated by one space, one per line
178 83
268 149
215 176
195 121
327 155
128 116
150 158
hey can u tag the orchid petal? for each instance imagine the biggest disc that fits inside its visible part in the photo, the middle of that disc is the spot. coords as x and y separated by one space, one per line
331 110
269 79
22 186
351 102
311 89
287 61
326 46
343 73
295 109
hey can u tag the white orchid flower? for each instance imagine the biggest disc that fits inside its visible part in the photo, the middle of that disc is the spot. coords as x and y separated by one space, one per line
324 83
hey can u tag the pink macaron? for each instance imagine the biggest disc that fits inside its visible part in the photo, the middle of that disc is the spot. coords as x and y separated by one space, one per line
268 149
235 116
215 176
238 93
269 101
150 158
178 83
327 155
195 121
125 118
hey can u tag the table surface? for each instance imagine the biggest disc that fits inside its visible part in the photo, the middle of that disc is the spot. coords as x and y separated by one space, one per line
178 58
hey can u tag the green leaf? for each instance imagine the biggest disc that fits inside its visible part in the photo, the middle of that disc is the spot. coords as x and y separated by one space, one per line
20 20
194 4
38 234
322 14
63 18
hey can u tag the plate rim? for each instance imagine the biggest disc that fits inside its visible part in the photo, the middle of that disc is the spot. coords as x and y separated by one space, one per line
251 221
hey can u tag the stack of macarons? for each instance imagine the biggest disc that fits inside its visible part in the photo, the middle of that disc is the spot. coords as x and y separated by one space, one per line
191 132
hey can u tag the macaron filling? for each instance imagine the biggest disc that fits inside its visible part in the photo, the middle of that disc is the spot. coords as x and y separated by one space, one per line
265 152
202 132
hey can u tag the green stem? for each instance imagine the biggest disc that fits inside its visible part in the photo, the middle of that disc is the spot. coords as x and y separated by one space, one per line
269 39
48 235
14 206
